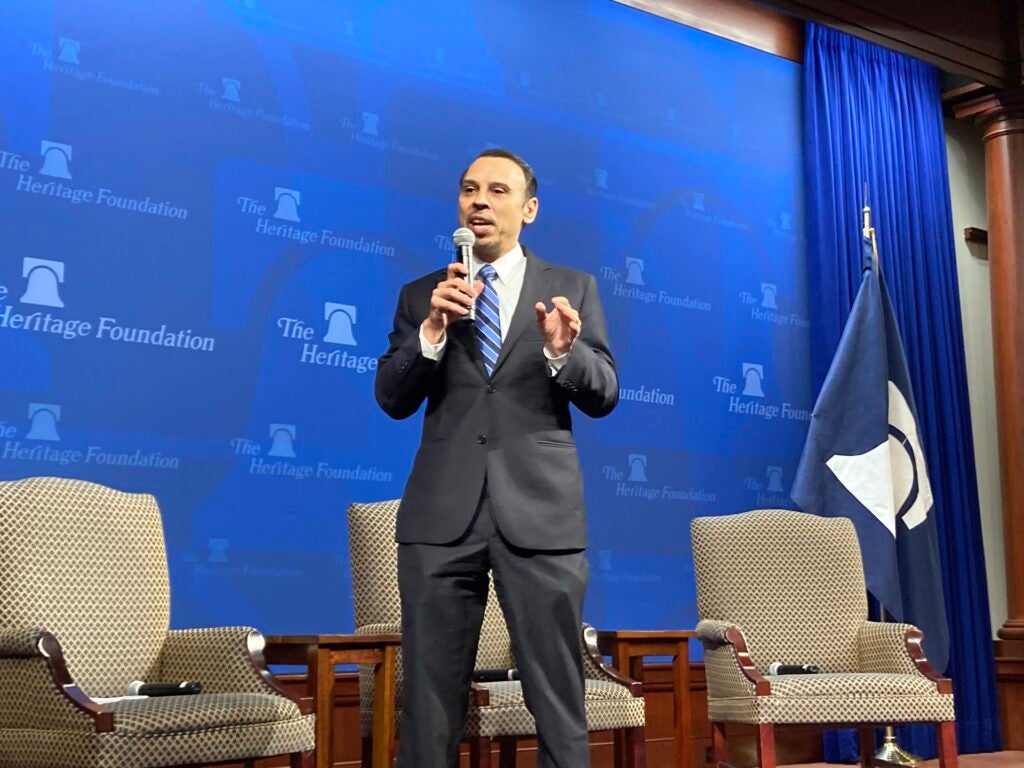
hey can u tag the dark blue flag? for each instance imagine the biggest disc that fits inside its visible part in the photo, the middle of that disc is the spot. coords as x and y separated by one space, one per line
863 460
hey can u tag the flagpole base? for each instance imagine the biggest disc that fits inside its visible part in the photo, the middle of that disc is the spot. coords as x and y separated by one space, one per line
892 754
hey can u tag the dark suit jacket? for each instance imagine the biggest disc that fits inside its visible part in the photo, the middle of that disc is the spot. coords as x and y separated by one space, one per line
514 428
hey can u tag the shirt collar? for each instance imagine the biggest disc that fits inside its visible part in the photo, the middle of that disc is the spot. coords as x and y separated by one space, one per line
507 264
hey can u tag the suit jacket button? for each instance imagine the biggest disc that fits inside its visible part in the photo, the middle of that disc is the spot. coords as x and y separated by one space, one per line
490 389
482 439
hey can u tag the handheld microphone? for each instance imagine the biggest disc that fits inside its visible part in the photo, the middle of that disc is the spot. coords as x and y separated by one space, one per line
778 668
494 675
139 688
464 239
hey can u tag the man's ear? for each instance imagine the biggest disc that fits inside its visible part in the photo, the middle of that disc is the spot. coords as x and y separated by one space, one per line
530 210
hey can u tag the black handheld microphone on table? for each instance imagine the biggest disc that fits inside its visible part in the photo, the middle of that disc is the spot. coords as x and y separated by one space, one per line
494 675
778 668
464 239
139 688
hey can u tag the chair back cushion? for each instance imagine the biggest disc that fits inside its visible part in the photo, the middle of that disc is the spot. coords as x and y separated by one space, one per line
793 582
373 555
88 564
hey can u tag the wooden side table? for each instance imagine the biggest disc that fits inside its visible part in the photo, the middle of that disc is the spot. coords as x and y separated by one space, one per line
628 648
320 653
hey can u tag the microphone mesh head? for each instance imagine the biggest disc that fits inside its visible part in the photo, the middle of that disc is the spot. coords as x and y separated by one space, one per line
463 236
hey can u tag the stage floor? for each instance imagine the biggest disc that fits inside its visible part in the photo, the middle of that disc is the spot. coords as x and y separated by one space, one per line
986 760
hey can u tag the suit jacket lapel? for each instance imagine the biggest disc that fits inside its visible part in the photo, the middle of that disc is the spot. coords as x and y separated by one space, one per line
533 283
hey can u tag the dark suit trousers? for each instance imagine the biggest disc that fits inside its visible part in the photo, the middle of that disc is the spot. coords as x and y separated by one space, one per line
444 591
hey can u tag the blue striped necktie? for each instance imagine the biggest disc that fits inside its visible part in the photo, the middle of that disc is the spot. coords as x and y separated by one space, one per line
488 319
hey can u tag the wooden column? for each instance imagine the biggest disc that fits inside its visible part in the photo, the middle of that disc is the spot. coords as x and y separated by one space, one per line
1001 117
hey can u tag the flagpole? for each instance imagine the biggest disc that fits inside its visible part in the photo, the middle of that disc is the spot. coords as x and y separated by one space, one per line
868 231
890 752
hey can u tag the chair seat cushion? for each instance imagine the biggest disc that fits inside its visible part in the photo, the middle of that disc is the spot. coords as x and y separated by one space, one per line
205 711
850 684
609 705
849 697
511 694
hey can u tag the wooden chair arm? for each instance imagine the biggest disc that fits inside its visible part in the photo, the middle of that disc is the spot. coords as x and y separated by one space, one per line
735 638
912 639
590 642
49 649
255 644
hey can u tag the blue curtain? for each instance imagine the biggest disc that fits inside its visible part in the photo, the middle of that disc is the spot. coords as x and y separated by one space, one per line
873 116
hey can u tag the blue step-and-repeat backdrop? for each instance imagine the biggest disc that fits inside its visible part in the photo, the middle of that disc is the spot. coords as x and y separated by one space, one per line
208 207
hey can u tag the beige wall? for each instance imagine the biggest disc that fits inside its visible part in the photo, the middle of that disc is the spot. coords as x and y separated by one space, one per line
966 157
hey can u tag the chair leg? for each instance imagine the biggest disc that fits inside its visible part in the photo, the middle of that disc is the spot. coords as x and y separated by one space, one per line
719 750
507 753
480 752
766 745
867 746
636 748
947 745
366 754
301 759
619 748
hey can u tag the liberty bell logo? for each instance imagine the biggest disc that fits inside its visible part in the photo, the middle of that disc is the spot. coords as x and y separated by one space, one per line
218 550
231 89
44 277
340 319
68 50
775 480
55 159
637 468
44 418
768 293
634 271
753 377
288 201
371 124
282 441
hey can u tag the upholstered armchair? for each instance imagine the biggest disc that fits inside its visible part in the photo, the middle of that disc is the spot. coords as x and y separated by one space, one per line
776 585
84 611
497 711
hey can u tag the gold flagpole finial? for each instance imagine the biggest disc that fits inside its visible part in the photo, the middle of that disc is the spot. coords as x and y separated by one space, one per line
868 231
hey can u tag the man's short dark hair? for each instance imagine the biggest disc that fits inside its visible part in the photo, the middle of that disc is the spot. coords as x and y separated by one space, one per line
531 179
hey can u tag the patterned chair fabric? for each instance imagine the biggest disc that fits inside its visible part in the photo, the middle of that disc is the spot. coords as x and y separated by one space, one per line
87 564
374 559
793 585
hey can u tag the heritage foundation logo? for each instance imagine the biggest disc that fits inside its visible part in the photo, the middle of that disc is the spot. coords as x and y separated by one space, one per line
598 183
369 129
634 481
630 283
764 307
769 489
227 96
43 278
337 330
748 396
277 460
55 170
285 207
43 443
65 60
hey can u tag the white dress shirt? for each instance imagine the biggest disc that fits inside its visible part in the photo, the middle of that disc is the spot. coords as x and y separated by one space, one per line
508 284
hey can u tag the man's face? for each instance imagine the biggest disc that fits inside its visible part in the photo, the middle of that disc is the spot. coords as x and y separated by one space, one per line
493 203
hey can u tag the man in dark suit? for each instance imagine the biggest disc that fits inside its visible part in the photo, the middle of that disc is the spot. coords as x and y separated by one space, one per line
496 483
